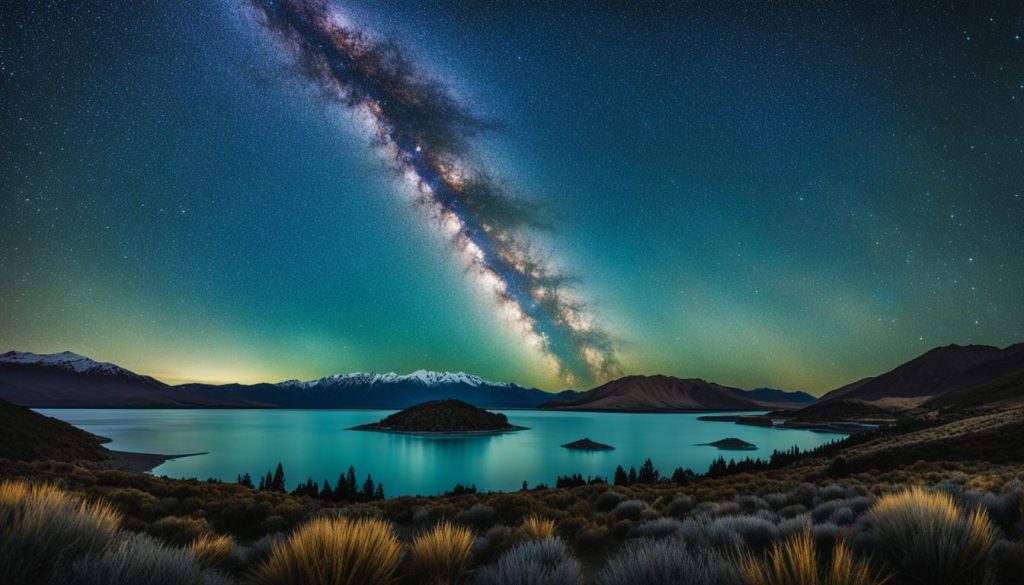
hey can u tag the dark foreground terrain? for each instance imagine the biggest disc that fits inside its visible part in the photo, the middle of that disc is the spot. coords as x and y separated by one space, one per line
851 509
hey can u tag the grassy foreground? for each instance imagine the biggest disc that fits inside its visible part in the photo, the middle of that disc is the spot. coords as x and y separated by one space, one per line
919 506
963 527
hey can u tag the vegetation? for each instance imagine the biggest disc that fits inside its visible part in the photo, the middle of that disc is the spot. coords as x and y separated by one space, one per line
43 530
546 562
801 517
931 539
442 555
796 561
335 551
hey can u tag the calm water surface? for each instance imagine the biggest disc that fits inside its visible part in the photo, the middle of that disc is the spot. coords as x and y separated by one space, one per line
316 443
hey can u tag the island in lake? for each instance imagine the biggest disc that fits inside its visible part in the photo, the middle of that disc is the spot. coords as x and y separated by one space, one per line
588 445
443 417
732 444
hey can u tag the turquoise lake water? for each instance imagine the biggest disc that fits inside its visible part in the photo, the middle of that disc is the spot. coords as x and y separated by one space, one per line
316 443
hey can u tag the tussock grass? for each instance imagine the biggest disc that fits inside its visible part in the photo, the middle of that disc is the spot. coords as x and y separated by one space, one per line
212 550
795 561
930 540
535 562
44 529
335 551
667 562
537 528
138 559
442 556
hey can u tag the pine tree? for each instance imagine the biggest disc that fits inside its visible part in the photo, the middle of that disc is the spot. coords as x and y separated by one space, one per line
368 488
620 476
326 493
648 474
379 494
245 480
278 480
632 475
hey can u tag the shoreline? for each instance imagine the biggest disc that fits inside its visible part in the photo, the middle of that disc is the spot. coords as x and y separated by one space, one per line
141 462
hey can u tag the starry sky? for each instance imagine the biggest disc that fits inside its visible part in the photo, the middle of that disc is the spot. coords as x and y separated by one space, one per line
788 194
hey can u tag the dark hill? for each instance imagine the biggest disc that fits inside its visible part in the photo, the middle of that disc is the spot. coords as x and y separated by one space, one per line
774 398
442 416
843 409
941 370
656 393
26 435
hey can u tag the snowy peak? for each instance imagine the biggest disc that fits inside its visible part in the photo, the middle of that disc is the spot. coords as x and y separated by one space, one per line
425 378
65 360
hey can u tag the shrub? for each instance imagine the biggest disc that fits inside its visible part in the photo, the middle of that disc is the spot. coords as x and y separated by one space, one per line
334 551
657 528
442 555
629 509
667 562
43 530
795 561
479 516
607 501
930 540
179 530
537 528
140 560
212 550
536 562
679 506
755 532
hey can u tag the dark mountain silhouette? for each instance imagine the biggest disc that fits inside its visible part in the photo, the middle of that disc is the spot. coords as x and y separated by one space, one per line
952 368
70 380
656 393
774 398
26 435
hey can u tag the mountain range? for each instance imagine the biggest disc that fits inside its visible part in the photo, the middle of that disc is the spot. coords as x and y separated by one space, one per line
70 380
944 378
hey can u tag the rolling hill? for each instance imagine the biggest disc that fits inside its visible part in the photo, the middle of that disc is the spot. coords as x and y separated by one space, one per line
656 393
949 369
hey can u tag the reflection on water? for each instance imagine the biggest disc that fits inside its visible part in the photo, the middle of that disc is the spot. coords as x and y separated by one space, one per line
315 443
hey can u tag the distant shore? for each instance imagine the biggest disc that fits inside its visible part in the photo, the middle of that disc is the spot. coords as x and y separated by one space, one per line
141 462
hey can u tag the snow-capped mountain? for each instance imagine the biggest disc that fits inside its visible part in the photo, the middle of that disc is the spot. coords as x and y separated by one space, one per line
65 360
420 377
68 379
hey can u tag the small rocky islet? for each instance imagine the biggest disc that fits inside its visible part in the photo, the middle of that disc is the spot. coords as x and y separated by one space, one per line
586 444
731 444
448 416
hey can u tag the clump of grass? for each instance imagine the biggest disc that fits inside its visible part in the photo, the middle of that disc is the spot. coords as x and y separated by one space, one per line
931 540
795 561
546 562
667 562
442 556
334 551
537 528
212 550
140 560
44 529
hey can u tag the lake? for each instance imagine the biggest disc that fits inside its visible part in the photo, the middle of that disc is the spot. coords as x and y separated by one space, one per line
315 443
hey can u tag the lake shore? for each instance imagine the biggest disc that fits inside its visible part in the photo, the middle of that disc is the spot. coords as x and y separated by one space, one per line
142 462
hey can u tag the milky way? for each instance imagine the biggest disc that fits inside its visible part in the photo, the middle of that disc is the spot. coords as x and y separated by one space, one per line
426 135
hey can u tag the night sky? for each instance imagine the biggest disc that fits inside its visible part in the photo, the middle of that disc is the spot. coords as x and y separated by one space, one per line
786 194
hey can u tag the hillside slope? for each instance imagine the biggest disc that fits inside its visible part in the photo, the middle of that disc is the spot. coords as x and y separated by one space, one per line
656 393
